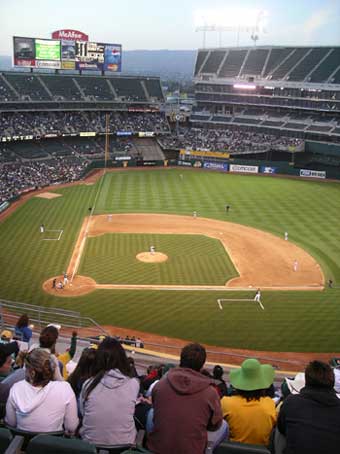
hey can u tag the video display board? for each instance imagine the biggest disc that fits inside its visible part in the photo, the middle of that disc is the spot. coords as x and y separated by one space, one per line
66 54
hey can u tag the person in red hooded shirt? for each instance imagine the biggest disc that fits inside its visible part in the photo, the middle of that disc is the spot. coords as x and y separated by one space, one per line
186 405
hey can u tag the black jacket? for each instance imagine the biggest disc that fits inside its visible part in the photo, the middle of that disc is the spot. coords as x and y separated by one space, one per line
311 422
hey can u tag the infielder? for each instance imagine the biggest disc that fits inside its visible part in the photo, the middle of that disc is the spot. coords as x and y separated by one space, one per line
152 250
109 217
65 279
286 236
42 228
295 265
195 214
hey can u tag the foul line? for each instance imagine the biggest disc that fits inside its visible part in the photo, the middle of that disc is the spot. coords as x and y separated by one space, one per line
61 231
220 300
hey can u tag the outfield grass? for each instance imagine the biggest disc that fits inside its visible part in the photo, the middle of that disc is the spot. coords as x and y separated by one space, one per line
192 260
292 321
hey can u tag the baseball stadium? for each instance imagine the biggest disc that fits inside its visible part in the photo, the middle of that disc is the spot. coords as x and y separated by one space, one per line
123 216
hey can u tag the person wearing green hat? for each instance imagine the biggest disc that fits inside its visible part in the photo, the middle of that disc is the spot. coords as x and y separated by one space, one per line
250 413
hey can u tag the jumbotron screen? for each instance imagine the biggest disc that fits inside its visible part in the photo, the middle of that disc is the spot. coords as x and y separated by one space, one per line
66 54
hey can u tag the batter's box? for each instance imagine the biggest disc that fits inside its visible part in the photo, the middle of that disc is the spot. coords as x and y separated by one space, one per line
53 235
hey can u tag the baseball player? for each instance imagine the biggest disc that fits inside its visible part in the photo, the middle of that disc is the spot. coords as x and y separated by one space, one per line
194 214
295 265
109 217
42 228
286 236
65 279
258 296
152 250
227 208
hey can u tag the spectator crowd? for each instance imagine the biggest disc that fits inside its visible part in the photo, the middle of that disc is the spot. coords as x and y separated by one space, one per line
184 409
41 124
227 140
16 178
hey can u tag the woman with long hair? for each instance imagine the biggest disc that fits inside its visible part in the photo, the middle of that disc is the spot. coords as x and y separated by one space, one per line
22 329
107 400
39 404
83 370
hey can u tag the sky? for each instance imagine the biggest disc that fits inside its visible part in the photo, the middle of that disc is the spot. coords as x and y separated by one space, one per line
157 24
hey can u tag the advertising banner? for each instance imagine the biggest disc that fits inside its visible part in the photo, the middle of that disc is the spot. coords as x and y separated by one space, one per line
312 173
48 64
184 163
122 158
70 35
123 133
68 64
68 50
47 49
113 57
146 134
87 134
24 51
216 165
89 55
265 169
209 154
243 169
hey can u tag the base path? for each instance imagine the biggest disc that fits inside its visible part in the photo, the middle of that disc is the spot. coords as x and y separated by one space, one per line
261 259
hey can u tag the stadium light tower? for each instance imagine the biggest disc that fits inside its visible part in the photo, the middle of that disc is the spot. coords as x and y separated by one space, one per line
231 20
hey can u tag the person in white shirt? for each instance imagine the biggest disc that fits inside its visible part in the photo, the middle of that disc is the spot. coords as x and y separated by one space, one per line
39 404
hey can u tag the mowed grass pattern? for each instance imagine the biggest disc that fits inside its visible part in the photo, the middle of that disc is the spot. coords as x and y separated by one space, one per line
291 321
192 260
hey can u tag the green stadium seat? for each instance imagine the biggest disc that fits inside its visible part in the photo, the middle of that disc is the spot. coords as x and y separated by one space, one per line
27 436
231 447
5 439
43 444
115 449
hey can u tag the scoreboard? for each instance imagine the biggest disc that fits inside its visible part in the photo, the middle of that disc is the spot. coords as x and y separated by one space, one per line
66 54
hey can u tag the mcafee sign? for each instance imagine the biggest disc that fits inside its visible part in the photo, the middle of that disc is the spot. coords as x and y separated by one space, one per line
71 35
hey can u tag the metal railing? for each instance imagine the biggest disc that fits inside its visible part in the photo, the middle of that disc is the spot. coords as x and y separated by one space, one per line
41 316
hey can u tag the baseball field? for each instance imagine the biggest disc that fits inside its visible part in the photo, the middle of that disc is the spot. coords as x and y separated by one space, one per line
200 282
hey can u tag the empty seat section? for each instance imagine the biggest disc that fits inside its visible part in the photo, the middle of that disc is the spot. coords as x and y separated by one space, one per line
255 61
295 56
200 59
130 89
62 88
308 63
28 85
276 55
232 64
154 88
328 66
213 62
96 87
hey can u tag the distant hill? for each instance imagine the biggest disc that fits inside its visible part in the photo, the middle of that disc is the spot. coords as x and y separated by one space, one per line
168 64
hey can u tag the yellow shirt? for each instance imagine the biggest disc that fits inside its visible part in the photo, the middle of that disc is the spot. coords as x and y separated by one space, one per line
249 422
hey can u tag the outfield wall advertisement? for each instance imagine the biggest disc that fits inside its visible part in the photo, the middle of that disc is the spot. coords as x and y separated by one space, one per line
216 166
243 169
312 173
66 54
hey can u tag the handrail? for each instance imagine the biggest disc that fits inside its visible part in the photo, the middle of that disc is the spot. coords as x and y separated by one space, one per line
42 316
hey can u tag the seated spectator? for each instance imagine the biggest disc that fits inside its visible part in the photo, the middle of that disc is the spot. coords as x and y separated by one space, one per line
220 384
38 404
22 330
310 420
250 413
48 339
107 401
6 358
6 336
83 370
186 406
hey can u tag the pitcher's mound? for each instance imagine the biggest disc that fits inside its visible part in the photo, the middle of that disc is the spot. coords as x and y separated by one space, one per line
156 257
